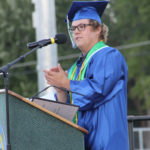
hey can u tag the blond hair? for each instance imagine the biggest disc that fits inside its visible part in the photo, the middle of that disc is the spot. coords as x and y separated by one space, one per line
104 29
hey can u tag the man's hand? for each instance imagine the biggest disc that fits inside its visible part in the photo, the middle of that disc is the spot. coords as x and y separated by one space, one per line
57 77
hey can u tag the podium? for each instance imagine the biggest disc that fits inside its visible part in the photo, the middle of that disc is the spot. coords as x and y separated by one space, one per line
32 127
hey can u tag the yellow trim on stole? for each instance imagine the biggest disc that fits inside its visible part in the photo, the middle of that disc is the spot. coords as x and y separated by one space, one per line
1 142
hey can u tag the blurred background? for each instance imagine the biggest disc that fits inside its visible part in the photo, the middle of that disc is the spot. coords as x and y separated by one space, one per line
129 31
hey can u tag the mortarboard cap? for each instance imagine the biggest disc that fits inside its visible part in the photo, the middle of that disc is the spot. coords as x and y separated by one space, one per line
87 10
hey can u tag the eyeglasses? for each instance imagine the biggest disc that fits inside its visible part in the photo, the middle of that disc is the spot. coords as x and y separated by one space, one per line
80 27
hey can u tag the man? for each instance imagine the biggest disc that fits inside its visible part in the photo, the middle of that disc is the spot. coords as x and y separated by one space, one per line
100 75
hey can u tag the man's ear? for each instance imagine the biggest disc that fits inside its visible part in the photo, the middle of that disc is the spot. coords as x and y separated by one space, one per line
98 31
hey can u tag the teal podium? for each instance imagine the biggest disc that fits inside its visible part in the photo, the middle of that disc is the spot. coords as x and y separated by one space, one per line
32 127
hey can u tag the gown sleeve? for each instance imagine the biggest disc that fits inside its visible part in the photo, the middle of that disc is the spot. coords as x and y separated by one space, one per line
105 77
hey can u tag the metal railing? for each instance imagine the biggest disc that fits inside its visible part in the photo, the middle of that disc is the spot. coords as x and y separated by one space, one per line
131 120
141 138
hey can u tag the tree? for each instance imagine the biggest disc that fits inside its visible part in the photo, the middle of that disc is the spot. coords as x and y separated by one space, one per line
16 31
132 26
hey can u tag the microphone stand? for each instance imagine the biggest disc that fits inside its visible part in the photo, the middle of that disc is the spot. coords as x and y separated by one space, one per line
5 71
63 89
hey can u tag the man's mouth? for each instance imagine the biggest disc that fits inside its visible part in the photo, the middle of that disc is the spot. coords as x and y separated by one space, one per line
77 38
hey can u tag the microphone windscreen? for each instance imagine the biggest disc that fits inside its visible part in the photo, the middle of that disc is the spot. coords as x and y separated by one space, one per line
60 38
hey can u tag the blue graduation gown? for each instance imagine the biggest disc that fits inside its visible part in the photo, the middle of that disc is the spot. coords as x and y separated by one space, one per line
103 109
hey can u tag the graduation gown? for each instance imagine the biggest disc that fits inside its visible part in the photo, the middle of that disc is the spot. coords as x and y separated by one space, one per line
103 109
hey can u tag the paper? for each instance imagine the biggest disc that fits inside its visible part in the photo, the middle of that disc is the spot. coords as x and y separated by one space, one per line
67 111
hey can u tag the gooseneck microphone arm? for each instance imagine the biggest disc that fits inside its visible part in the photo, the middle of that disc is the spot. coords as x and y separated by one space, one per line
63 89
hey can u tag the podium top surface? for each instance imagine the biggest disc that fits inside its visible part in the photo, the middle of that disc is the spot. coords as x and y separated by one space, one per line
44 110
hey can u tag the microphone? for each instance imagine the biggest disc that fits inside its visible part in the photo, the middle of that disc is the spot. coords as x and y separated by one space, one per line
59 39
36 94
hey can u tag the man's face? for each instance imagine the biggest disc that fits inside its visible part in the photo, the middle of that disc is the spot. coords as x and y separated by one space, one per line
83 34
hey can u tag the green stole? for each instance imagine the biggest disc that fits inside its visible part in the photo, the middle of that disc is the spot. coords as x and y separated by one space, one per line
72 73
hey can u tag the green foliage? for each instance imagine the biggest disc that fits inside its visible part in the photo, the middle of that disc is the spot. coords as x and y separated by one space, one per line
16 31
132 27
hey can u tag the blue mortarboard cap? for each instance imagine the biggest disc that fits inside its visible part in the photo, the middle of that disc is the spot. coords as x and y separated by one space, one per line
87 10
87 13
